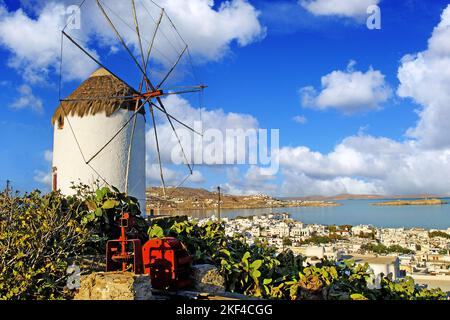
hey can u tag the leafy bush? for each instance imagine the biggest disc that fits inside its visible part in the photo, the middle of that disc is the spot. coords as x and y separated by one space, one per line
38 234
440 234
317 240
105 207
382 249
41 234
258 270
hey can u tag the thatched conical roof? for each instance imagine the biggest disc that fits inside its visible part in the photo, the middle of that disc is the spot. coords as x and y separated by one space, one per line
101 84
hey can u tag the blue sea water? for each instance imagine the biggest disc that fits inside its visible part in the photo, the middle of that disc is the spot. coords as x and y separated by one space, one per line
355 212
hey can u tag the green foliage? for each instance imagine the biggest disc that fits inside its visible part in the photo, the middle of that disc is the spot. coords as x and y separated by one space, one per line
406 289
259 271
38 235
41 234
440 234
155 232
382 249
317 240
105 210
287 241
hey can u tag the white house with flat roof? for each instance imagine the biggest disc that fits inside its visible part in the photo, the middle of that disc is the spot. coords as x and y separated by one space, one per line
379 265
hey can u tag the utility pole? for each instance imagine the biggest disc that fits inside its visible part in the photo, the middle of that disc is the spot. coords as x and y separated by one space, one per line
8 187
218 204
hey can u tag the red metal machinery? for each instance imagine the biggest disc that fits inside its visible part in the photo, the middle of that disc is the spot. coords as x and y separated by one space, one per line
168 262
124 254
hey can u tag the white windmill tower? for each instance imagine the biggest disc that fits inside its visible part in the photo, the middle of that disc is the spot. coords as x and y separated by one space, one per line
93 122
99 129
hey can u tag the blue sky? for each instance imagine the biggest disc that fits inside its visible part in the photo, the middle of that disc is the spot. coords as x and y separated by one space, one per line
395 141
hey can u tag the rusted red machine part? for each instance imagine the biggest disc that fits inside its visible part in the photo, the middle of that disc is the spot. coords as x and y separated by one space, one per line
124 254
168 262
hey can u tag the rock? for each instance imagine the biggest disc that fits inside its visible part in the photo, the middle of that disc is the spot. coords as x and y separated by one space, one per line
207 278
114 286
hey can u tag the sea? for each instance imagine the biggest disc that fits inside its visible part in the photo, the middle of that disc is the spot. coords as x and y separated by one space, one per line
354 212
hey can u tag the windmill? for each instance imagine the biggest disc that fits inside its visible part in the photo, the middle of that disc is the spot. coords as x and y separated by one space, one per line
100 127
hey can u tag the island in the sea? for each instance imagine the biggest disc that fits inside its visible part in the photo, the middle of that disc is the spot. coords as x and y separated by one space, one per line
177 199
411 202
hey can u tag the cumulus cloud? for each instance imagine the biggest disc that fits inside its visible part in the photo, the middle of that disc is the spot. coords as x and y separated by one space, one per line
300 184
48 156
27 99
251 181
34 39
348 91
341 8
365 164
172 177
210 32
45 177
425 78
34 44
194 145
300 119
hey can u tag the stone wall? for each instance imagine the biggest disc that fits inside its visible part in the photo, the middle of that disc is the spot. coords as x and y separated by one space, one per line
114 286
206 278
129 286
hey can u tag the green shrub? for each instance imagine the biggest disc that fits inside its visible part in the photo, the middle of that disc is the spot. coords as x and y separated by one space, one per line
440 234
382 249
258 270
38 235
41 234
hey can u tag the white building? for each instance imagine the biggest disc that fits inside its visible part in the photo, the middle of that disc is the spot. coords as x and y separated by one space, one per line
386 265
83 125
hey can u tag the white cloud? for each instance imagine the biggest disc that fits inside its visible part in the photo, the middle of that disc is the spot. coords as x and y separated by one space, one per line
210 32
35 44
45 177
341 8
48 156
210 119
181 109
254 182
27 100
348 91
365 164
425 77
300 119
172 177
34 40
299 184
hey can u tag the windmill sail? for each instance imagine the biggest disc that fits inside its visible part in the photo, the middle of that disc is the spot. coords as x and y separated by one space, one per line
106 114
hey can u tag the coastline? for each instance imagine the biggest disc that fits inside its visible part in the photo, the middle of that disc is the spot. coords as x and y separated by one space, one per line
418 202
289 205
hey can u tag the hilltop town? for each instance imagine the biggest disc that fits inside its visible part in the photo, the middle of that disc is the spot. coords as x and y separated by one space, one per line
422 254
201 199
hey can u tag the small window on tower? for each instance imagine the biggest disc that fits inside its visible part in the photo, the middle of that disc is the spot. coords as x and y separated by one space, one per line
60 122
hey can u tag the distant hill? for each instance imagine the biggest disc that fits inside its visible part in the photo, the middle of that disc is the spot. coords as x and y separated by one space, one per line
183 192
192 198
200 193
365 197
